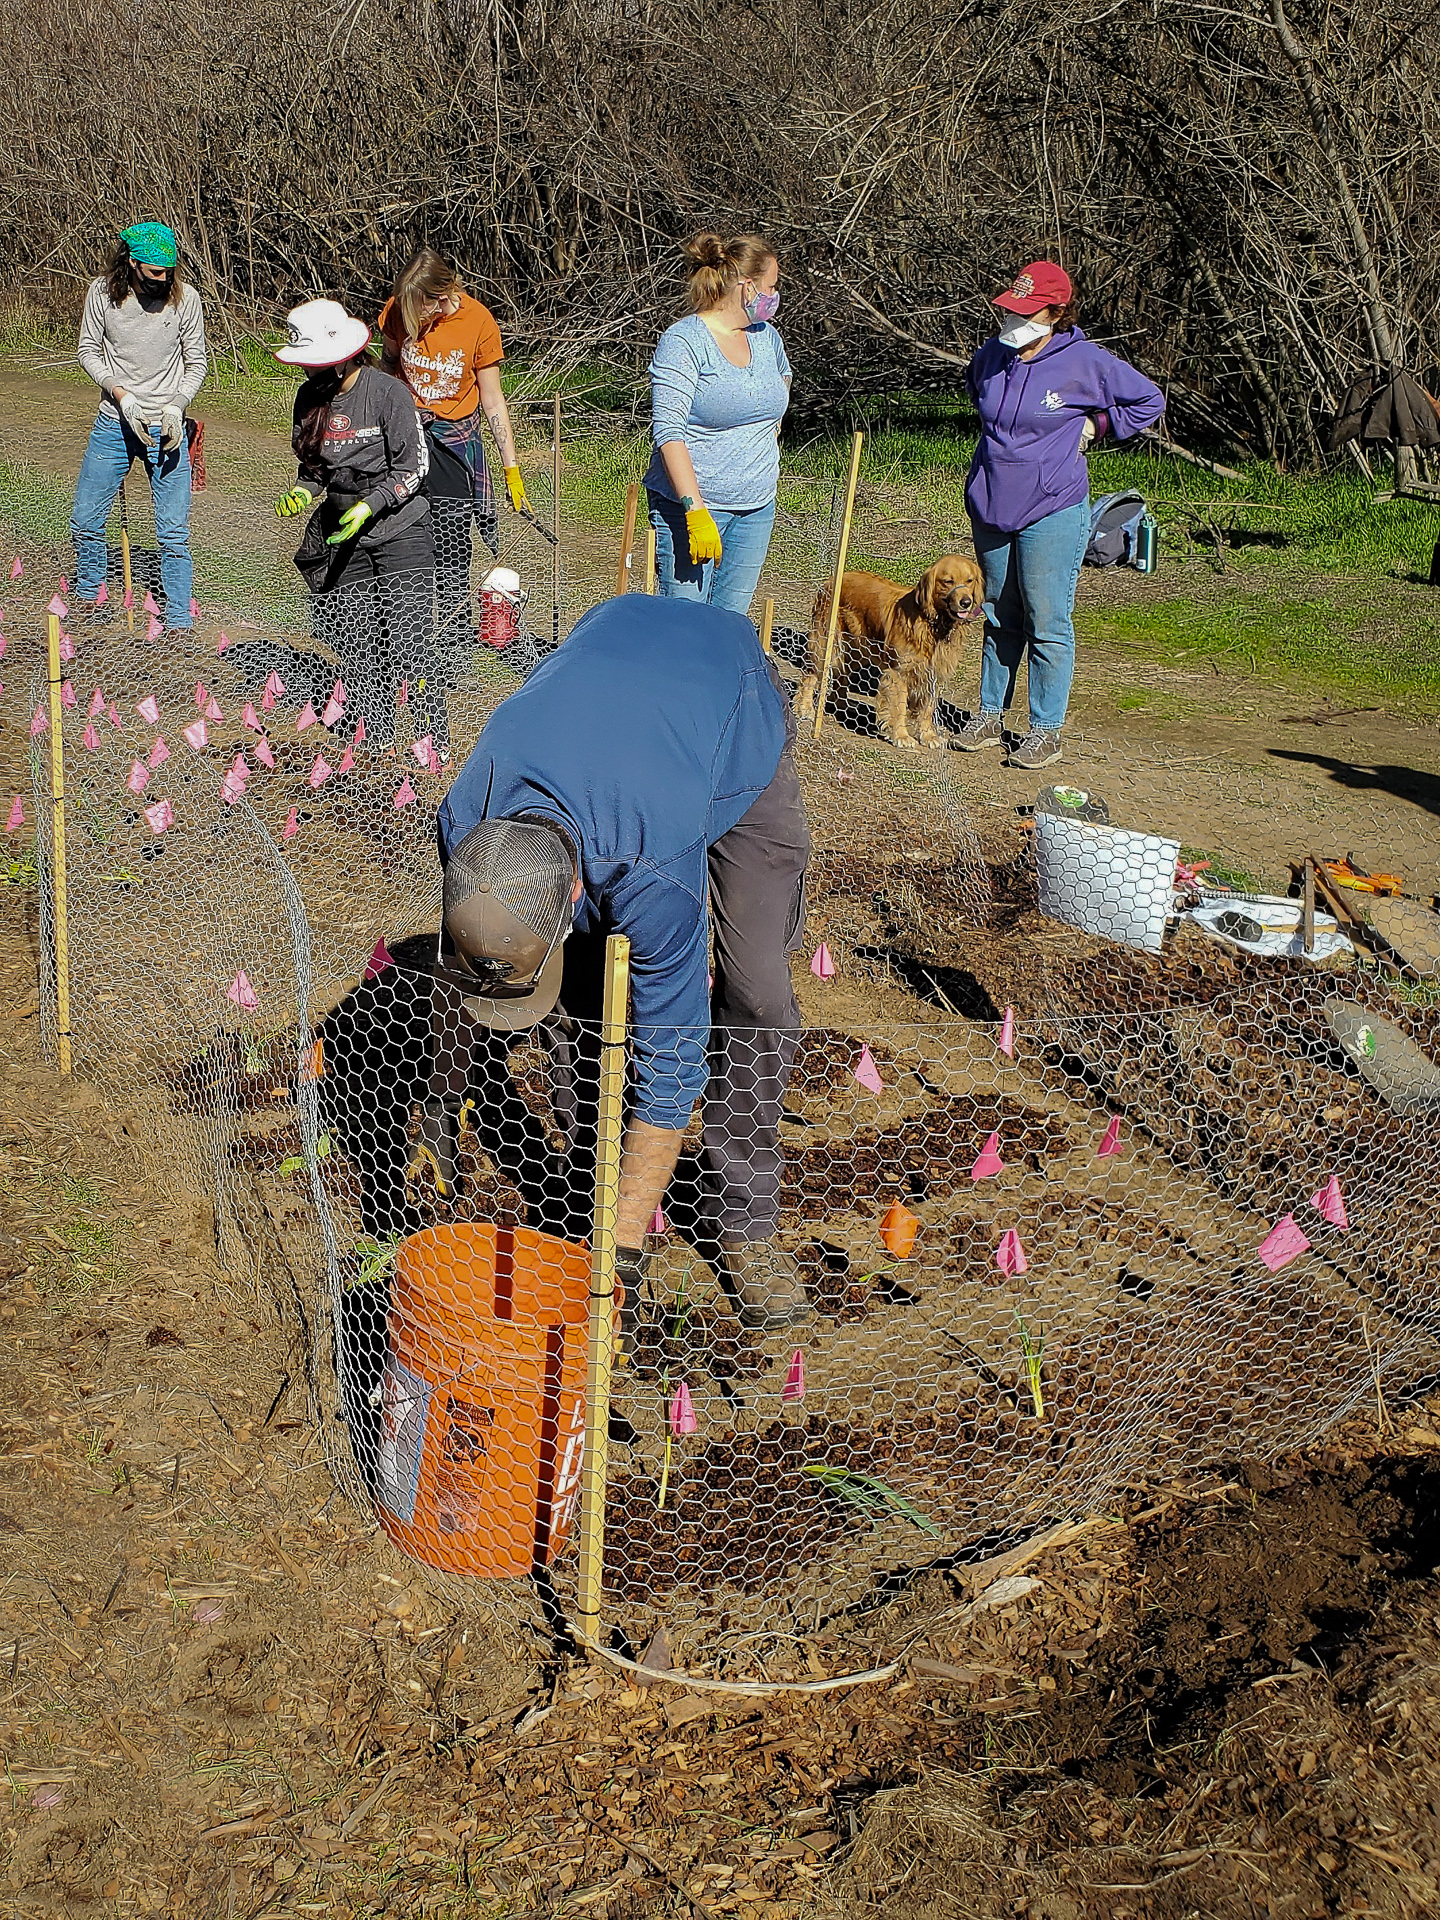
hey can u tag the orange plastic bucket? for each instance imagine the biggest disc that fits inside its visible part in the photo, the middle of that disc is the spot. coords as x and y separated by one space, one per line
483 1423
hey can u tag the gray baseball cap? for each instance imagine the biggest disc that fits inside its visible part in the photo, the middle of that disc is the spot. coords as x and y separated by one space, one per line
509 904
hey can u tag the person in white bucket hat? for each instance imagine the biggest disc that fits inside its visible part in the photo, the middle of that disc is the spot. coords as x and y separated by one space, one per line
367 553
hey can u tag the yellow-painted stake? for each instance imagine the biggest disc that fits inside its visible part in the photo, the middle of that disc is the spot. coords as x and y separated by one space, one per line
649 559
822 692
125 561
767 626
594 1471
57 855
627 540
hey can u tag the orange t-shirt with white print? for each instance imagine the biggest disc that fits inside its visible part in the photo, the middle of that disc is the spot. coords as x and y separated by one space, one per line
441 368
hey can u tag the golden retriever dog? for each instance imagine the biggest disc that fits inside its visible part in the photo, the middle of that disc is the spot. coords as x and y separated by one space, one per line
913 635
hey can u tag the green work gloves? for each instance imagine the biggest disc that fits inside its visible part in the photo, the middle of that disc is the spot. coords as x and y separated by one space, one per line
517 490
704 535
295 501
351 521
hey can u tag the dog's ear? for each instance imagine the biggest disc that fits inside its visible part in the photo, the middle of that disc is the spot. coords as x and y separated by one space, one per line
925 593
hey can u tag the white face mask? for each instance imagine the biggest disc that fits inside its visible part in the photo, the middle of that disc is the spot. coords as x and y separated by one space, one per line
1021 332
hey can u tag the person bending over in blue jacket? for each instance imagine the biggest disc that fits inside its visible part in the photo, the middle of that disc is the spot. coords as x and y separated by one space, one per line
642 781
1045 393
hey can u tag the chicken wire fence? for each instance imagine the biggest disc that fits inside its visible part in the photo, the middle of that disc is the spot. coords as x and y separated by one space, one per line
1076 1183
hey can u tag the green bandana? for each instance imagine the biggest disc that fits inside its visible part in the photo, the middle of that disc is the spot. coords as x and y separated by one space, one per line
150 244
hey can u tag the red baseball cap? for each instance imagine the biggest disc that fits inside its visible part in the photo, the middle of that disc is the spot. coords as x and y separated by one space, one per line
1041 284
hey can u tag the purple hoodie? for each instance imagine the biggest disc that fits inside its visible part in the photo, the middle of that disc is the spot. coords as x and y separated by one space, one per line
1028 462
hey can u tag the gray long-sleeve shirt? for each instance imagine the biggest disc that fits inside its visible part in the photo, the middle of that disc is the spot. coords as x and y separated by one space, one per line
156 352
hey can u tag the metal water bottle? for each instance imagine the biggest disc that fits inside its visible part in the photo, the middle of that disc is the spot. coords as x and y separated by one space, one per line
1147 544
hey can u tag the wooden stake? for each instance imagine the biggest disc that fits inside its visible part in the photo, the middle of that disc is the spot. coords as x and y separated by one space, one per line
595 1467
627 539
57 856
823 691
649 559
767 626
125 561
555 525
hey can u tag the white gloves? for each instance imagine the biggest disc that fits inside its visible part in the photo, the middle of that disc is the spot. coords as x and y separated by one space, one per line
133 413
172 426
1087 434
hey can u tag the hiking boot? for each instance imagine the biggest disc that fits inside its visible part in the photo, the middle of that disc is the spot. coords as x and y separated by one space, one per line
1038 749
436 1154
980 730
763 1283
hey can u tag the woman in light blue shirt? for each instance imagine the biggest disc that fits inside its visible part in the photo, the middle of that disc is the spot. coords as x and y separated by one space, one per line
719 387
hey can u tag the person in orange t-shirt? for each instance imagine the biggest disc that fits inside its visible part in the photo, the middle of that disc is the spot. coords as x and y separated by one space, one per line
446 347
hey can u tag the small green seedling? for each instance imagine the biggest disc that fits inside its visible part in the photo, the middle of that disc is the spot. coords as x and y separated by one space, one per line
1032 1345
296 1162
375 1259
863 1490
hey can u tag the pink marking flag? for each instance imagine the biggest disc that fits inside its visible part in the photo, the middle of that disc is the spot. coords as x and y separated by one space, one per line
161 816
1329 1203
657 1223
213 709
403 697
241 993
231 789
159 753
404 794
194 609
202 694
321 771
1111 1143
97 704
67 647
64 584
139 777
264 753
794 1388
988 1161
1010 1255
102 594
197 735
150 604
380 959
249 718
821 965
38 723
222 644
56 606
274 684
67 695
347 761
16 819
292 824
149 710
359 740
128 598
267 700
153 630
682 1413
90 739
2 646
240 768
867 1073
421 749
307 718
16 569
112 714
1006 1042
1284 1242
333 710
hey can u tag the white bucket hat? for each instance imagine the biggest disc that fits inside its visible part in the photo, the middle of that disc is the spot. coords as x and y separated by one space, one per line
322 334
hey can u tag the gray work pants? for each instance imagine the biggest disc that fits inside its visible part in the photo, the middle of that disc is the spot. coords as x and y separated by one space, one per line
757 913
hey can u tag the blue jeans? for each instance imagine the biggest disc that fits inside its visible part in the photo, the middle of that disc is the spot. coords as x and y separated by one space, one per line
729 582
1030 580
107 461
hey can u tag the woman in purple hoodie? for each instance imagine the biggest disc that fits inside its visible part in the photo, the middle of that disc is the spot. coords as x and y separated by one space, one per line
1044 393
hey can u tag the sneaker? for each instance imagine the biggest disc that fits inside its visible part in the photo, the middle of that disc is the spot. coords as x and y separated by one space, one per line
980 730
763 1282
1038 749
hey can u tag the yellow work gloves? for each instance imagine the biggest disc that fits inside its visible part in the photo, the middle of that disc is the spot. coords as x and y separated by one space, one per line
704 535
351 521
517 490
295 501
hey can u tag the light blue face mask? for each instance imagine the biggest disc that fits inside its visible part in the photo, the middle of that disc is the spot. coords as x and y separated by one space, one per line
1023 332
762 306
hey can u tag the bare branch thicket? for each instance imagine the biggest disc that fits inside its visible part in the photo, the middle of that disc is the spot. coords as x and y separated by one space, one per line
1243 191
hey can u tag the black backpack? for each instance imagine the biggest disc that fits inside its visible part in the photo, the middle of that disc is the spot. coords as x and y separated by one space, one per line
1115 530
